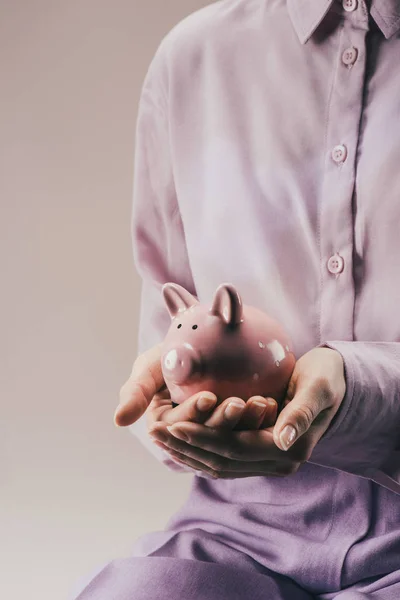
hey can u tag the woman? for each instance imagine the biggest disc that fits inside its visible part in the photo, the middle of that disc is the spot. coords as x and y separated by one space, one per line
268 153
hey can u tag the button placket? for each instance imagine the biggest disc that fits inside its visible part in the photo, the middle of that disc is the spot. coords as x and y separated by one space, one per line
336 217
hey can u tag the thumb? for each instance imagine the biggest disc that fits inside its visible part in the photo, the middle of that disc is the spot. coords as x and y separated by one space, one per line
297 417
144 382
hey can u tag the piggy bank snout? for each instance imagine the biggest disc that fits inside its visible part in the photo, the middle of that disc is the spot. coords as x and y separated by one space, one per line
181 364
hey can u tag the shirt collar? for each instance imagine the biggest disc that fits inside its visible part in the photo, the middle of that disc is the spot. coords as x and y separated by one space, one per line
386 14
306 15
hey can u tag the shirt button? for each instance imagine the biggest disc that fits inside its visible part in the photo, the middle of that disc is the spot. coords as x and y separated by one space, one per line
335 264
339 153
349 5
349 56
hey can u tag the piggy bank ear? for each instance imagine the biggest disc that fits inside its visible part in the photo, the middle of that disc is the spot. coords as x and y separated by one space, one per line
227 304
177 298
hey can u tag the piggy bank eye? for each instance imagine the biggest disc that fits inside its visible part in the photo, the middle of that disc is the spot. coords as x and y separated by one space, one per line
194 326
179 326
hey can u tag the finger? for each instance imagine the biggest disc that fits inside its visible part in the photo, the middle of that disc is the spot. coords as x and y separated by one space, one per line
195 409
271 414
160 403
259 411
222 467
227 414
181 458
230 474
310 408
240 445
161 398
144 382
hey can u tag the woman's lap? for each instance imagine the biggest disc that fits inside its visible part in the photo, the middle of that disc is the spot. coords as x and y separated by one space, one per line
159 578
196 564
187 567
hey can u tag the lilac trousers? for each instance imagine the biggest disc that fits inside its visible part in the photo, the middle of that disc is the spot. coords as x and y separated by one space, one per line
320 534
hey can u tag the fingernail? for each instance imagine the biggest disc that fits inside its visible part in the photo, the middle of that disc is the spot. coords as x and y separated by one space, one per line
233 409
260 408
287 437
158 435
159 444
205 402
178 433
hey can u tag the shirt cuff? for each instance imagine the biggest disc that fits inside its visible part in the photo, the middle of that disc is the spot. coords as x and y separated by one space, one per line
362 435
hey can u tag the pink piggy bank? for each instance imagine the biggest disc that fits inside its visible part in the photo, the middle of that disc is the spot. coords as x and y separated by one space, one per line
229 349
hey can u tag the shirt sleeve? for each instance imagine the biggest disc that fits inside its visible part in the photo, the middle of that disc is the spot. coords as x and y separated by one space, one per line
364 436
158 240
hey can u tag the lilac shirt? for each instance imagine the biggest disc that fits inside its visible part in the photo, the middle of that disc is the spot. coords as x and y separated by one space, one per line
268 155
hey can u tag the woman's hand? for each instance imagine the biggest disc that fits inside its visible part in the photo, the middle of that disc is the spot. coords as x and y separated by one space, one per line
315 393
146 392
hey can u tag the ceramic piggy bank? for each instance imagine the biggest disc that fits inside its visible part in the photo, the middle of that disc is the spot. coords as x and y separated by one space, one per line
229 348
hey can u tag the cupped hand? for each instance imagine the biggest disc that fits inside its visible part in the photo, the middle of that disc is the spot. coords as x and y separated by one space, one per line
145 393
315 393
